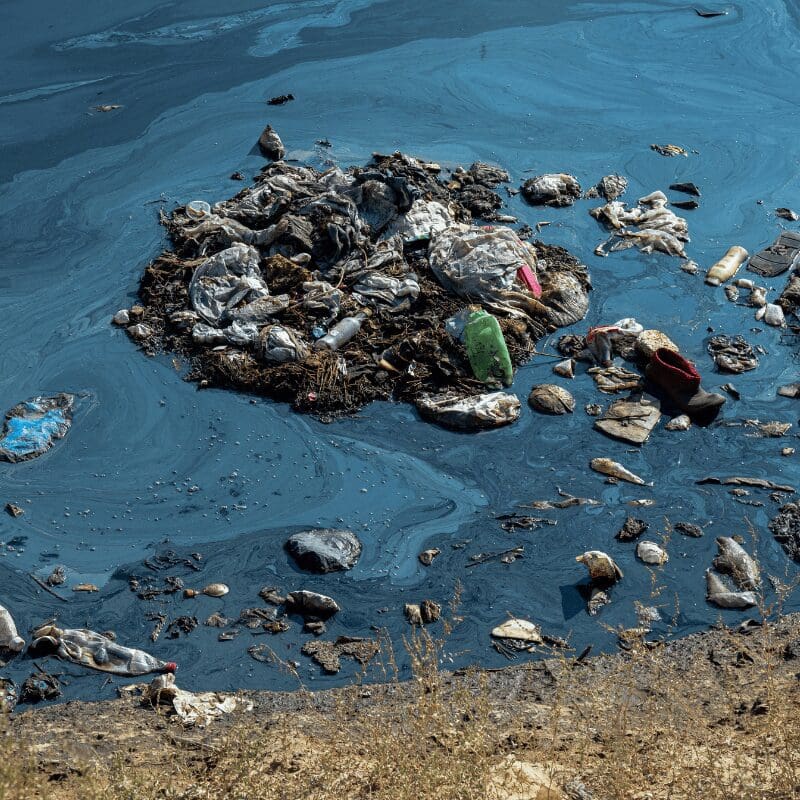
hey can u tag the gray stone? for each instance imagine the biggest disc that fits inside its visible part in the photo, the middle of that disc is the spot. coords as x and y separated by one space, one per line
324 550
311 604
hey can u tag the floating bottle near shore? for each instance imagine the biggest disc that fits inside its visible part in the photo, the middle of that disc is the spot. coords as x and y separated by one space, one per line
342 332
727 266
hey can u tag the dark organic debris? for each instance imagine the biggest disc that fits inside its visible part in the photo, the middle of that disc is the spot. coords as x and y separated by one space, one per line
785 528
253 282
686 205
324 550
689 529
668 150
632 529
280 99
787 213
686 188
14 510
328 654
732 353
504 556
759 483
40 686
708 14
513 522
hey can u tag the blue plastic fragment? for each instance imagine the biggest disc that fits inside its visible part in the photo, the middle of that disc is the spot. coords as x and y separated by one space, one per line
32 426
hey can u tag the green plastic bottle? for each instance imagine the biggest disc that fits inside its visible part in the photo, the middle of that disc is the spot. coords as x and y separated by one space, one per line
486 348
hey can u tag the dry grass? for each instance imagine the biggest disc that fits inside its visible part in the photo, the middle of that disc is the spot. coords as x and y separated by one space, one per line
721 723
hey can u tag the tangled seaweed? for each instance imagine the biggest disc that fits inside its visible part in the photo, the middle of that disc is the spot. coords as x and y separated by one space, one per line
311 247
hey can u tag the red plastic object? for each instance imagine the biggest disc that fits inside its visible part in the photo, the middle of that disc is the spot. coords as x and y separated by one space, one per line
525 274
170 666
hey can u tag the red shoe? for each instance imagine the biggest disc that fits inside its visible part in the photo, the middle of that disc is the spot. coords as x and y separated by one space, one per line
680 381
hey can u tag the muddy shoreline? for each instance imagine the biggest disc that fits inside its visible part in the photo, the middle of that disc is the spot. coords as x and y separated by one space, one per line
69 738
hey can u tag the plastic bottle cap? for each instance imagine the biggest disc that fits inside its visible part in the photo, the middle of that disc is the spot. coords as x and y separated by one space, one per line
170 666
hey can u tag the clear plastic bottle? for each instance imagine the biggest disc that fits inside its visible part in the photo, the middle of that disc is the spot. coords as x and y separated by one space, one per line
342 332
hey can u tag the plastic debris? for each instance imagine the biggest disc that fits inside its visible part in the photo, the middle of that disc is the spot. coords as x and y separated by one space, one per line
311 604
609 187
216 590
724 269
651 553
606 341
734 560
271 145
647 342
785 527
31 427
518 629
680 423
720 595
668 150
548 398
632 529
40 686
96 651
630 420
782 255
10 640
486 349
655 227
614 469
553 189
193 709
566 368
426 556
613 379
476 412
787 213
8 696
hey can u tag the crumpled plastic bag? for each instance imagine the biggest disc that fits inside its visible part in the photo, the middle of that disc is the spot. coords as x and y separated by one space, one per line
226 279
90 649
477 412
32 426
280 343
482 263
239 334
424 219
604 341
375 288
322 299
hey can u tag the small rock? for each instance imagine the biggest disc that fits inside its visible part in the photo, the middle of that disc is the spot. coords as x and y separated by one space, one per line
122 317
681 423
426 556
270 594
317 627
630 420
324 550
554 189
593 409
787 213
787 451
651 553
311 604
413 613
597 600
548 398
519 629
237 176
271 144
57 576
602 568
690 266
609 187
14 510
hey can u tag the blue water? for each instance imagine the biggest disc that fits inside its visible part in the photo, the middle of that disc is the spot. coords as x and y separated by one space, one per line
567 86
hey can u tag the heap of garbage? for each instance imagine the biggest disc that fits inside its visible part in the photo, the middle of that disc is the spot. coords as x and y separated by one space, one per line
331 289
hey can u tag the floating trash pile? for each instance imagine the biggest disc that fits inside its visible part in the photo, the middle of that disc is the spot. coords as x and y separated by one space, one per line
333 289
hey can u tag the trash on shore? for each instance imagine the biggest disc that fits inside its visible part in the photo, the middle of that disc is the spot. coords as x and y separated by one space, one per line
787 213
614 379
40 686
254 285
630 420
14 510
609 187
198 709
31 427
680 423
519 633
216 590
8 696
614 469
93 650
324 550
